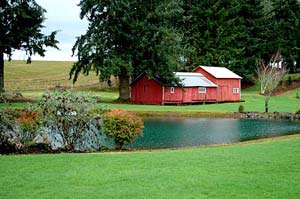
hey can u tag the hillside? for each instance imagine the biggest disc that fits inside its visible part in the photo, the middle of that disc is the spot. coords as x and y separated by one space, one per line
41 75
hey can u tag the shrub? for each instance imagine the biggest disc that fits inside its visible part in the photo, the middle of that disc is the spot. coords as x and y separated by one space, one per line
9 142
297 112
67 123
298 95
241 108
28 122
122 126
290 80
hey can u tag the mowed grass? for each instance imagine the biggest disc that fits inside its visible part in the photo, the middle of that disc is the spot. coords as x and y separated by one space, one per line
253 101
34 79
41 75
269 169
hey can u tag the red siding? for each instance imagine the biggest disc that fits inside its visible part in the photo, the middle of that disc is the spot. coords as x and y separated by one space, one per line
146 91
189 95
225 86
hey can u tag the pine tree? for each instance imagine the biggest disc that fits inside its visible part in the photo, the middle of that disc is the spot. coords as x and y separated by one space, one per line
127 37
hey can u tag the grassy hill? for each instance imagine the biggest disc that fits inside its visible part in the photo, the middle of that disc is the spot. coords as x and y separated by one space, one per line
41 75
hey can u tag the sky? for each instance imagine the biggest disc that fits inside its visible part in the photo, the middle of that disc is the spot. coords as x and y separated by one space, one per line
61 15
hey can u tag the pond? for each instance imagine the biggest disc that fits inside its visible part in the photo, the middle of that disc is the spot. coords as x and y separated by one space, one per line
175 132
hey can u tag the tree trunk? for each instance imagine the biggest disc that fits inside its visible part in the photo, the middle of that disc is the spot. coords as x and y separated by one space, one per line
1 72
124 91
267 104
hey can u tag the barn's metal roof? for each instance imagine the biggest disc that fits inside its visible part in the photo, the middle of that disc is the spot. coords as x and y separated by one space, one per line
194 79
220 72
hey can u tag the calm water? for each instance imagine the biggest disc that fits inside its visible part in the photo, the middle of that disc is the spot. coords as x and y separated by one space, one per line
172 133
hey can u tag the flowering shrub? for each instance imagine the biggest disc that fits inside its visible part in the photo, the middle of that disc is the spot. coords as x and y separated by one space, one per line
123 126
67 122
28 122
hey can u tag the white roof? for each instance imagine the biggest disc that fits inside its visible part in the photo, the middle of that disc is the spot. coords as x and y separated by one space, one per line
220 72
194 79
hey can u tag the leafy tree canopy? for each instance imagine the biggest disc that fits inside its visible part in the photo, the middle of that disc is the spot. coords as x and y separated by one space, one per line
21 24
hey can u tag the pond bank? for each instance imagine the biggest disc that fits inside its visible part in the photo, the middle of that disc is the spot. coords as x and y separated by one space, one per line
244 115
270 116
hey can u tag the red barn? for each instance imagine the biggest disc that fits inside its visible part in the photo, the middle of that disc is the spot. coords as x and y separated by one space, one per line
204 84
229 83
195 88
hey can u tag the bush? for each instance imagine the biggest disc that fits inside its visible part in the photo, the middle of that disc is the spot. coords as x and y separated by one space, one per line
122 126
9 142
241 108
67 123
290 80
297 112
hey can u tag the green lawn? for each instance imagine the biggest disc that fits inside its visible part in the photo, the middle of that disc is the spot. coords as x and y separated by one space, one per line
286 102
35 78
269 169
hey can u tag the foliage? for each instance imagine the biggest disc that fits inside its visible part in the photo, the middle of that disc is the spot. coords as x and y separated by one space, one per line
21 24
298 111
290 80
122 126
126 38
270 76
10 96
237 33
241 108
9 141
67 122
28 123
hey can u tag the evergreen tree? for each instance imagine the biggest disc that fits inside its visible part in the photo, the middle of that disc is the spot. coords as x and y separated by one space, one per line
126 38
21 24
286 20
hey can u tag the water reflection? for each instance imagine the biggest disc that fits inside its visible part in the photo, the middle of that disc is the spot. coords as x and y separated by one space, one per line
174 132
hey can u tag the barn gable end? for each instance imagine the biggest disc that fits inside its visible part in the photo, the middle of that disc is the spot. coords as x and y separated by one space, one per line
229 83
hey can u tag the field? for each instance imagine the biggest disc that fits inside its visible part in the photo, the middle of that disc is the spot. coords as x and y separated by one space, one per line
42 75
258 169
268 169
34 79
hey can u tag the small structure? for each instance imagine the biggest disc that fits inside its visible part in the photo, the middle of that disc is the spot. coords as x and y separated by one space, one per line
204 84
229 83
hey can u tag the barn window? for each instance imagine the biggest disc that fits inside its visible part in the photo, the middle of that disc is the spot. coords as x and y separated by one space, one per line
172 89
201 90
235 90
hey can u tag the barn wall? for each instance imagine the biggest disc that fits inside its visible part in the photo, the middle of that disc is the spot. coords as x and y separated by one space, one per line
189 95
146 91
225 89
176 97
225 86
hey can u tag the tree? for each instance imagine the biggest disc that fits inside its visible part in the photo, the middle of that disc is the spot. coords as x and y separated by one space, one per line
21 24
126 38
270 76
285 23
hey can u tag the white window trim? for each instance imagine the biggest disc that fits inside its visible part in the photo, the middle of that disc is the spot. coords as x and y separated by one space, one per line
199 91
236 90
172 90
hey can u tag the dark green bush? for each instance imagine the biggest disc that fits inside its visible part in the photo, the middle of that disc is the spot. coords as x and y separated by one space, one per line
122 126
297 112
241 108
290 80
